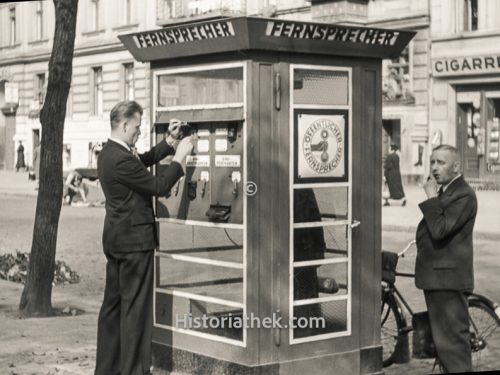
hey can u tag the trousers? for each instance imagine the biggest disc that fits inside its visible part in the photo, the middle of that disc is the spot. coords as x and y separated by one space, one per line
449 319
124 328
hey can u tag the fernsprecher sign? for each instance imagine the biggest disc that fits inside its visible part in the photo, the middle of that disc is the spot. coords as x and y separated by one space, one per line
209 37
296 30
184 34
321 146
454 66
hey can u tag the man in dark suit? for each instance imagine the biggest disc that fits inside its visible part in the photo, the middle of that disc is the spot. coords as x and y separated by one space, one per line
129 239
444 265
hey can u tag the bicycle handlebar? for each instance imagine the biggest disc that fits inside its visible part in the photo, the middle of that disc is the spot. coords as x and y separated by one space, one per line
402 253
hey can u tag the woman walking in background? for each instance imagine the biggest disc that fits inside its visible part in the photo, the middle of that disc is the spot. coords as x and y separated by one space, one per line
20 157
392 176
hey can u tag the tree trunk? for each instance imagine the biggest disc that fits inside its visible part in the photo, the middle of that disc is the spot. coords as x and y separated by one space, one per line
37 293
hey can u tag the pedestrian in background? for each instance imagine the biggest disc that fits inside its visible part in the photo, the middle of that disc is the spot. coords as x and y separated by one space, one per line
73 186
392 177
20 157
444 264
124 329
36 164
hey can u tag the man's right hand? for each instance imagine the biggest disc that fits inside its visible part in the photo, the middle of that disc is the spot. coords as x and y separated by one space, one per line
431 187
184 148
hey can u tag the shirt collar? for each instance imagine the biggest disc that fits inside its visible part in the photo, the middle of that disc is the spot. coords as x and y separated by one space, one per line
120 142
449 183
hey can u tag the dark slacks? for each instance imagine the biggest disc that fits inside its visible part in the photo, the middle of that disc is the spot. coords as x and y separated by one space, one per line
449 319
125 322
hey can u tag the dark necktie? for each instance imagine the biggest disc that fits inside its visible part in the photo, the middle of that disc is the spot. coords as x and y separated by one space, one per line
440 191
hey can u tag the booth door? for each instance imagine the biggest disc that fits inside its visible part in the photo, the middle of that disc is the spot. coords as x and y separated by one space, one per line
317 310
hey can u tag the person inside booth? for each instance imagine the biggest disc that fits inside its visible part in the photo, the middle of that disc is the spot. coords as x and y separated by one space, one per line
309 244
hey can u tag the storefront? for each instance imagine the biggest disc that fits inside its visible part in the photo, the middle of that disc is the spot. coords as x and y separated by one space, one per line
466 111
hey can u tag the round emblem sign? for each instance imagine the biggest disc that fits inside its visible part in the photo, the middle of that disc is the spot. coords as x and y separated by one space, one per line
322 146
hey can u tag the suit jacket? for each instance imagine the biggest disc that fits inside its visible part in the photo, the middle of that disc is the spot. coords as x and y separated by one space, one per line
128 186
444 240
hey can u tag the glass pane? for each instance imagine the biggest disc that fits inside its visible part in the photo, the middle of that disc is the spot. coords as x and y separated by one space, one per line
320 243
319 281
199 316
206 280
319 204
203 242
336 241
218 86
320 318
320 87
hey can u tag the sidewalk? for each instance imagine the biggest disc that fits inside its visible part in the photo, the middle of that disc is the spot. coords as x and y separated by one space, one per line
17 183
397 218
394 217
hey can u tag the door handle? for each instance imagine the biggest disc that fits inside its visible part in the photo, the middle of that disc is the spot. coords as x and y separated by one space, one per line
355 223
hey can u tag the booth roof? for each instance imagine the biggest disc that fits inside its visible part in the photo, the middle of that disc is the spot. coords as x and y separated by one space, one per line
264 34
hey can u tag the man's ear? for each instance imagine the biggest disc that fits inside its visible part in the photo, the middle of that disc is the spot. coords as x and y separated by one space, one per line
456 167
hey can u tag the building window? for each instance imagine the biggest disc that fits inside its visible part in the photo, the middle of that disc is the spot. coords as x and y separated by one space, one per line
167 9
12 20
41 89
396 83
39 20
470 15
128 75
127 12
95 15
97 92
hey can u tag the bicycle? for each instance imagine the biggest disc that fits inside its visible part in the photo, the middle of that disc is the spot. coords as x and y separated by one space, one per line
484 320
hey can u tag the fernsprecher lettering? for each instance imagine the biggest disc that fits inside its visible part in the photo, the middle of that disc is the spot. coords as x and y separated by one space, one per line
323 145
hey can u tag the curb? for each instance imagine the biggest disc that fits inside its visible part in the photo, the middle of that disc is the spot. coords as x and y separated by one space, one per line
19 194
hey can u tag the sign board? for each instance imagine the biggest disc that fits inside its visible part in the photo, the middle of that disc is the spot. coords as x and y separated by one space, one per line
321 146
454 66
252 33
198 161
228 161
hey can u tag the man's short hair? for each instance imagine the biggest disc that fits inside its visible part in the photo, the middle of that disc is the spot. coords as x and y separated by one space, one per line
453 150
123 111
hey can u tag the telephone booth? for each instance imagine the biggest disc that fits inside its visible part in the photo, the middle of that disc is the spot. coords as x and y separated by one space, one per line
269 256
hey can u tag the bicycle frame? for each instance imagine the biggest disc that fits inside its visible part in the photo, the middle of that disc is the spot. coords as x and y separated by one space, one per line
400 298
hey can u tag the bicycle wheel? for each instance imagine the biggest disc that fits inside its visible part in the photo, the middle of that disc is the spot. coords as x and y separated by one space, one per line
392 321
485 336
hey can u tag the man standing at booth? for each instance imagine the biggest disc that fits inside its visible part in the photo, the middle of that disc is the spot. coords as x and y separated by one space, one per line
129 239
444 265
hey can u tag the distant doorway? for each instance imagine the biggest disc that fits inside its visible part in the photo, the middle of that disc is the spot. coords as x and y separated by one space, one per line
467 138
391 134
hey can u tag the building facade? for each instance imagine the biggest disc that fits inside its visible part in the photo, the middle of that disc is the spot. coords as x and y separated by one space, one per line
443 88
103 74
465 84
